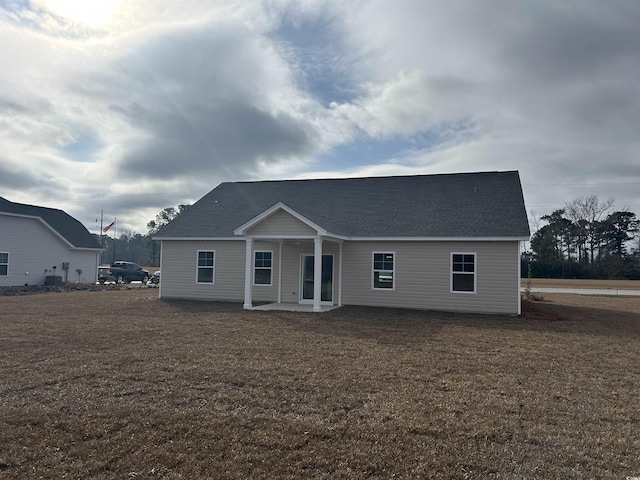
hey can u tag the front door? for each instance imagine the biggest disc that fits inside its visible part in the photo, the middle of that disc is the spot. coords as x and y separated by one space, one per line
326 287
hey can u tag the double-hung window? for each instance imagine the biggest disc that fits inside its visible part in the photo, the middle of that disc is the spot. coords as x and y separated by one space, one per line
206 266
463 272
4 263
383 270
262 267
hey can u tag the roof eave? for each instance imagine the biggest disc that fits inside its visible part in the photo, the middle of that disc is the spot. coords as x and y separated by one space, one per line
207 239
353 238
437 239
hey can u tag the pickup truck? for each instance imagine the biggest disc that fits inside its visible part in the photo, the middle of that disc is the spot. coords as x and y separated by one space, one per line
123 272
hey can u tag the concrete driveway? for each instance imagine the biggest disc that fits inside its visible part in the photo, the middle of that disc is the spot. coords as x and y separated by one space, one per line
585 291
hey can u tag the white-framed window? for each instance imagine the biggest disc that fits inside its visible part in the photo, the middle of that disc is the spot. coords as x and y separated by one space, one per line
4 263
383 277
262 267
463 272
206 266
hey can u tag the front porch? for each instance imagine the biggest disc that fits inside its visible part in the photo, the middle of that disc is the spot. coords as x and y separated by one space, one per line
310 273
304 274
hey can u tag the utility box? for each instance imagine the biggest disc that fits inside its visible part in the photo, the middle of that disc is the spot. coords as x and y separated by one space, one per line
52 280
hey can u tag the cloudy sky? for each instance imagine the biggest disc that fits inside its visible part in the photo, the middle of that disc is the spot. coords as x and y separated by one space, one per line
131 106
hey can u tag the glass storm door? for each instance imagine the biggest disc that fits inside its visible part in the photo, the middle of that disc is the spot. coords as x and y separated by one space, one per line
326 286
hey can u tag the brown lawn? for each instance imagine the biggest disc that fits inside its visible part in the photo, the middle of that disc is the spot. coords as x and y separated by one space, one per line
118 384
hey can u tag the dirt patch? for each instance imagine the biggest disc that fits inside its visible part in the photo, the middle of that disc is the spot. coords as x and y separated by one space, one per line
119 384
67 287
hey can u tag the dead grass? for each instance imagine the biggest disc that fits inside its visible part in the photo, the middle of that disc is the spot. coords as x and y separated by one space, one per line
119 384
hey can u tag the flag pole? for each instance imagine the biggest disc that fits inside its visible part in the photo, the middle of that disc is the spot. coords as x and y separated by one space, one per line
105 231
114 239
101 235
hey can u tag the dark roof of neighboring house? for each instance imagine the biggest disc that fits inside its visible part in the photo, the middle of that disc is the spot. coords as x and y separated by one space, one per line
64 224
486 204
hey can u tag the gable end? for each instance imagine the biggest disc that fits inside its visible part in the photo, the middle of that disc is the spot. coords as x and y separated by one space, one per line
280 221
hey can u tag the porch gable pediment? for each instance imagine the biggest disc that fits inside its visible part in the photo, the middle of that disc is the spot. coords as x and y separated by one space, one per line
280 220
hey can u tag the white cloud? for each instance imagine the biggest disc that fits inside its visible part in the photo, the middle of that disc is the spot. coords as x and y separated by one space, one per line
547 88
175 97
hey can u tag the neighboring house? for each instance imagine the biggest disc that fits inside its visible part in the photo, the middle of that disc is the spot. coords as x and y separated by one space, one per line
442 242
39 245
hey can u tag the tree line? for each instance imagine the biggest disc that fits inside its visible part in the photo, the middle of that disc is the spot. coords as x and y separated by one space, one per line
135 247
587 238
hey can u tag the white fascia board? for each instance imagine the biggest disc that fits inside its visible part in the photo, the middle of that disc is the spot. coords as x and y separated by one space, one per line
160 239
242 229
438 239
280 237
329 236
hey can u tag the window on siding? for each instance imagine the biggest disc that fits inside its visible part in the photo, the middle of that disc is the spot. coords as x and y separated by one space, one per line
206 266
383 270
262 267
463 272
4 263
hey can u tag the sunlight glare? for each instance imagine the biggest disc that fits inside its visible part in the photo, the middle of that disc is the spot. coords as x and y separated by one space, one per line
89 12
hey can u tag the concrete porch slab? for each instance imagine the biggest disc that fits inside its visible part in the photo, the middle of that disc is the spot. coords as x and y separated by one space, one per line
293 307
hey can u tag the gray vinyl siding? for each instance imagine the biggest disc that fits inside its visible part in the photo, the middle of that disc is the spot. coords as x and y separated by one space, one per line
179 268
422 274
265 293
34 248
281 223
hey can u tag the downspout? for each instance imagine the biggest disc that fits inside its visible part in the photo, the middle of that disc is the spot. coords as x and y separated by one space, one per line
161 282
519 275
248 268
280 272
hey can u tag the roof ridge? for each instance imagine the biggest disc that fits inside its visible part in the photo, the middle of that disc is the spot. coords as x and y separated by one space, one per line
373 177
35 206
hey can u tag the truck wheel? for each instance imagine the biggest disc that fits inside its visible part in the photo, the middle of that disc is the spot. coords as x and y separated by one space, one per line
119 279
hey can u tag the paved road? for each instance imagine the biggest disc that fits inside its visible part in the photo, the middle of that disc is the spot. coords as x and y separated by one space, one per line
586 291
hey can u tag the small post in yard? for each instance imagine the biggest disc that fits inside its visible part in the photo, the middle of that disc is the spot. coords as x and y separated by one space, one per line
101 232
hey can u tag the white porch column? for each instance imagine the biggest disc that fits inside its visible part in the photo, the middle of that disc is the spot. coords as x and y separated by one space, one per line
248 274
280 272
317 273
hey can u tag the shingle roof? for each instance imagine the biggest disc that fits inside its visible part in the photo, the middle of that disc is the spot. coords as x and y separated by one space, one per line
68 227
486 204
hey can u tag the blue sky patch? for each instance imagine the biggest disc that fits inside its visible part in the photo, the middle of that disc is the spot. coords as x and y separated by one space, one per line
82 150
364 152
323 68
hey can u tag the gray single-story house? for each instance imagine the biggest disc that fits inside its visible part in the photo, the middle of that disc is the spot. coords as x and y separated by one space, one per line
41 245
443 242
